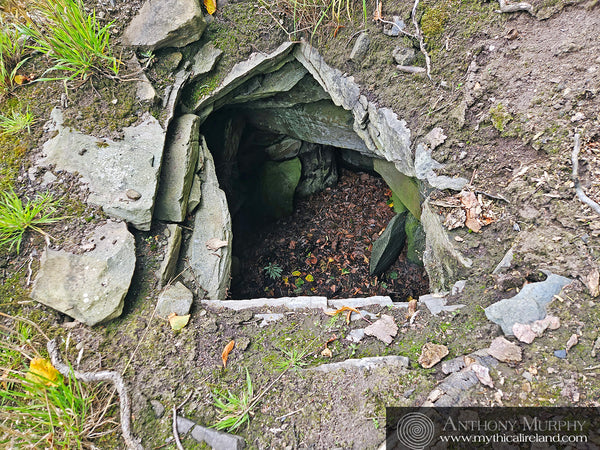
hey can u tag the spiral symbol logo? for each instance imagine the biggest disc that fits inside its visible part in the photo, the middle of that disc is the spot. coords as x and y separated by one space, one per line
415 431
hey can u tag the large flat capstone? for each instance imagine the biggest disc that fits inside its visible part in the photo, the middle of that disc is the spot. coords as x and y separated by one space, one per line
89 287
113 170
166 23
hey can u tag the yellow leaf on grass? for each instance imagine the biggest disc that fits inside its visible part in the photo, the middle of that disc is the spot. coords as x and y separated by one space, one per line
20 79
211 6
296 273
178 322
309 278
42 371
226 352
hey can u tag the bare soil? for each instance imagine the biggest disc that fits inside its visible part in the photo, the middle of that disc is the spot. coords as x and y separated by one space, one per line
544 73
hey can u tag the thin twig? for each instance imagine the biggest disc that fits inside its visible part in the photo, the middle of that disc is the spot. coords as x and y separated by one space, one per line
412 36
29 271
175 432
421 41
580 194
94 377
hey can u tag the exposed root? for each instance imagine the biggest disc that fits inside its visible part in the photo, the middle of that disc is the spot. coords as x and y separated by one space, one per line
94 377
175 432
421 40
506 7
580 194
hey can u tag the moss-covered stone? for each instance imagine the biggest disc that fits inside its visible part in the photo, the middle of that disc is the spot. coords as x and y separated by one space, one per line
278 183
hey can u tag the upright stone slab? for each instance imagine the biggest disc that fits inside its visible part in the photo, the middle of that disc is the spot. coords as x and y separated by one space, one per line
319 169
166 23
404 187
210 266
277 185
181 156
112 169
89 287
387 248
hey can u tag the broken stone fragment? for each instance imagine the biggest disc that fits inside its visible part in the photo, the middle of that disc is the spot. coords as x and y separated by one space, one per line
431 354
169 264
90 287
404 56
109 166
176 299
505 351
179 165
384 329
166 23
528 305
361 47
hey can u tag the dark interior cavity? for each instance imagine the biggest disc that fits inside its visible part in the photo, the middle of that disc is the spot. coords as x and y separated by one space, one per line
305 214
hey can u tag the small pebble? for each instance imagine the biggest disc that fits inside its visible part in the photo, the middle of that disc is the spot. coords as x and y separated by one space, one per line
562 354
133 194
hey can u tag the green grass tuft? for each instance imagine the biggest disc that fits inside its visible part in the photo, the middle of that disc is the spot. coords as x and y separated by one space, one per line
16 217
75 41
16 122
234 409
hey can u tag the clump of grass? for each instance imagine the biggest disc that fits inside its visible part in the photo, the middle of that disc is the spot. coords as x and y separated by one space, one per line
294 359
11 54
74 40
309 15
234 409
17 217
16 122
43 409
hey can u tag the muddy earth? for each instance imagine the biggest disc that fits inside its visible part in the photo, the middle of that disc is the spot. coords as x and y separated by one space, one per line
509 90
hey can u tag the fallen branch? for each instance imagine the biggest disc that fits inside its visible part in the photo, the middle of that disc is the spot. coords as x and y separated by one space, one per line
411 69
94 377
514 7
580 194
421 41
175 432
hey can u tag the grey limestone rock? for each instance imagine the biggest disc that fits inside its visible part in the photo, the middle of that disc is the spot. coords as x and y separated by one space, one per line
169 264
387 248
89 287
404 56
361 47
528 305
175 298
166 23
287 148
211 268
179 165
319 169
110 168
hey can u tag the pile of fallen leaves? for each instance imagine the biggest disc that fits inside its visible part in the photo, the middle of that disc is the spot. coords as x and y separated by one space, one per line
325 246
467 210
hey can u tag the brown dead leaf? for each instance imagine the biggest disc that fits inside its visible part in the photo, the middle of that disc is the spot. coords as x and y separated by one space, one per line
226 352
455 219
472 209
327 353
412 307
377 16
342 309
592 281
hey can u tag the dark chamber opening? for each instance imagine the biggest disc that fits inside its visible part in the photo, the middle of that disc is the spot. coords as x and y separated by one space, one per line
308 231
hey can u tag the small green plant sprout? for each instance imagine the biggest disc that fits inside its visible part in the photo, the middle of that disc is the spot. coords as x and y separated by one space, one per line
294 359
17 217
273 270
16 122
353 348
234 409
74 40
